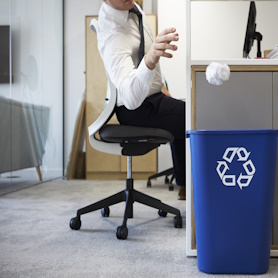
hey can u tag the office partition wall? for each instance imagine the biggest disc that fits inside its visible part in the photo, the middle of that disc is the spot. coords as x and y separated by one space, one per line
31 92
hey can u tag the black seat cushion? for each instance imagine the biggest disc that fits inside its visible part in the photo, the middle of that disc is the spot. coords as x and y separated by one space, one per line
135 140
114 133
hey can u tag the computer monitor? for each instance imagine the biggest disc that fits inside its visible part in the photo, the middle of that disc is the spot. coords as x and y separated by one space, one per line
251 33
5 54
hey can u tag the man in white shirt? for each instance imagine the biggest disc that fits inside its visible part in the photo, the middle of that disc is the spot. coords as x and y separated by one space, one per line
140 101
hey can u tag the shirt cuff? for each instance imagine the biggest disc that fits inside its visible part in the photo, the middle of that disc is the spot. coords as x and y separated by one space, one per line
144 74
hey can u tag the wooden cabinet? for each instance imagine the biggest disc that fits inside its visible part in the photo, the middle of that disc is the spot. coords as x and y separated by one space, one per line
100 165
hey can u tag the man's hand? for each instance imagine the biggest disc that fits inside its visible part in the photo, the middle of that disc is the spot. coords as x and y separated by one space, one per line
161 43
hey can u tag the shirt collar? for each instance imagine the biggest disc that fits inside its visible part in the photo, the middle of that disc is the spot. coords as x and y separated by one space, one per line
121 15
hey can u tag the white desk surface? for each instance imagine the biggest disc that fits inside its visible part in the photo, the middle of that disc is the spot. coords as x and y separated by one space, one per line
238 62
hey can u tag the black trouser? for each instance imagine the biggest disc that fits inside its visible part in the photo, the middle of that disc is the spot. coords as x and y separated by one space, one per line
160 111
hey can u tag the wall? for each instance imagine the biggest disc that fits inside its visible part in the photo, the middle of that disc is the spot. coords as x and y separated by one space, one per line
218 28
171 13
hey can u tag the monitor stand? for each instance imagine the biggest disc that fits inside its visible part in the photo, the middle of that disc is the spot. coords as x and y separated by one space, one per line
258 36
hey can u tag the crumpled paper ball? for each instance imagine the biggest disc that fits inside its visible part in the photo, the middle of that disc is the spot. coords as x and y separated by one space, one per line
217 73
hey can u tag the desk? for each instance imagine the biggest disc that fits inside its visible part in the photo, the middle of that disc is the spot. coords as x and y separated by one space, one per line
249 100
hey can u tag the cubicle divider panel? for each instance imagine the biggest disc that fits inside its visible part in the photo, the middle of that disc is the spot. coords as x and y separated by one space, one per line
248 100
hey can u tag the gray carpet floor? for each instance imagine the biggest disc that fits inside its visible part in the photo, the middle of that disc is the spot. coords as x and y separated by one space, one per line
36 240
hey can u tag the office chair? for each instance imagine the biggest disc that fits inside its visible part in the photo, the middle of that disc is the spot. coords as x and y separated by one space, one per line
128 141
166 173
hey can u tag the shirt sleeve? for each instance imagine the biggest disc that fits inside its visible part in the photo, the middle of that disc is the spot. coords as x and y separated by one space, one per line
133 84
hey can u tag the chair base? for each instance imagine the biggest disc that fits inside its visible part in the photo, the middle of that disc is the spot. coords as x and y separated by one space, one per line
129 196
165 173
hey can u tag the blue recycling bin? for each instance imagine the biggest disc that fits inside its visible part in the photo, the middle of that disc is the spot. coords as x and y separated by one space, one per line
233 174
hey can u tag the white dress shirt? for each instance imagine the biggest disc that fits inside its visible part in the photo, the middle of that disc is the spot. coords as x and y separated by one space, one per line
118 44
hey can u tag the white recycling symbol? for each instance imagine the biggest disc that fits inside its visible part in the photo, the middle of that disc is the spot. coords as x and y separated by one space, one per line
242 154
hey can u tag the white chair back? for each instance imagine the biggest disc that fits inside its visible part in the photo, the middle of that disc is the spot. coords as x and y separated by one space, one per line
111 97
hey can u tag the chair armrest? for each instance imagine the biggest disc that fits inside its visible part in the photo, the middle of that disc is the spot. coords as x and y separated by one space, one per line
94 25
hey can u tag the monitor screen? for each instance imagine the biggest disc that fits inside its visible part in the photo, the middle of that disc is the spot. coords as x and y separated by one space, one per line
251 33
4 54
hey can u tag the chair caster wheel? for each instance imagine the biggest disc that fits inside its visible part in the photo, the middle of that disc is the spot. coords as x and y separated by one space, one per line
149 184
171 187
75 223
162 213
178 222
122 232
105 212
166 181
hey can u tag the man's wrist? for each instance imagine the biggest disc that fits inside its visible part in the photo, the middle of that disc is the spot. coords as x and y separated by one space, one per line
150 65
145 74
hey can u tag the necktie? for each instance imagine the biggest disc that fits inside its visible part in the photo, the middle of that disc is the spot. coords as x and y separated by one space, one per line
141 30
